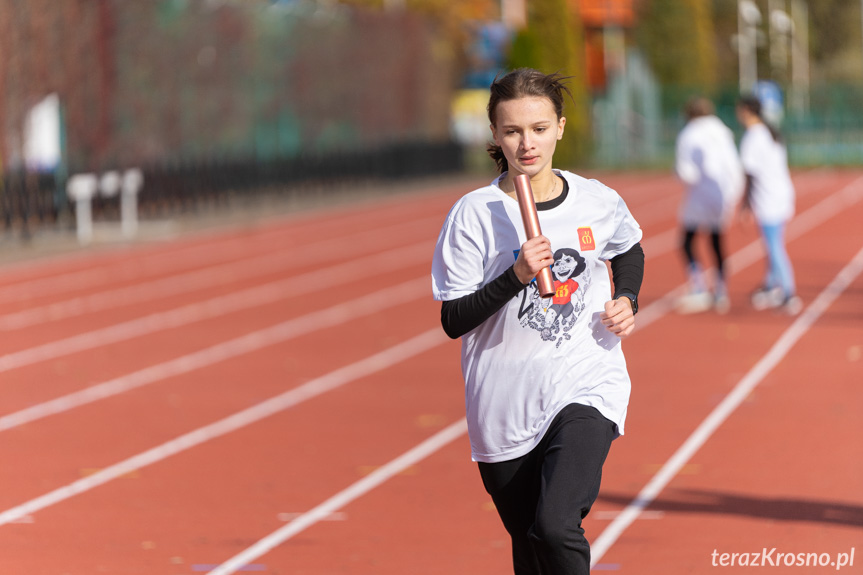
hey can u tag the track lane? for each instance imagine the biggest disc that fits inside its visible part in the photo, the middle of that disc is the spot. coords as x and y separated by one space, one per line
450 358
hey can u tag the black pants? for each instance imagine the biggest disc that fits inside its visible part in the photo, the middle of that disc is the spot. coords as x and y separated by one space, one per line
543 496
715 242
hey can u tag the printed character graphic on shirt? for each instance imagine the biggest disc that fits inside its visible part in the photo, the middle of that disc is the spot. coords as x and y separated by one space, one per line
554 317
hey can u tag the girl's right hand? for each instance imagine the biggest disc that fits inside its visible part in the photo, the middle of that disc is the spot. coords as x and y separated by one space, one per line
534 255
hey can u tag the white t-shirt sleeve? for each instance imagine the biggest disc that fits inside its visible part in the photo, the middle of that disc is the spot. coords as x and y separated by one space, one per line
753 146
626 231
457 266
772 195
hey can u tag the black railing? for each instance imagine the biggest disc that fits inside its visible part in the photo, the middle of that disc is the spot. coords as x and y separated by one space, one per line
30 201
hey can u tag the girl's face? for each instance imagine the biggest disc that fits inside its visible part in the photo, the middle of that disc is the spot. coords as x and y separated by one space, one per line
527 129
744 116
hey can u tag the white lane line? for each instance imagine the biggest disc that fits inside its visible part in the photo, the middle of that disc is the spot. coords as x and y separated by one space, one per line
329 317
333 380
215 307
661 243
218 274
728 405
343 498
87 278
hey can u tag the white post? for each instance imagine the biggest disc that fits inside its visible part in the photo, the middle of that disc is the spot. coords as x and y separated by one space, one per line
742 48
781 29
81 188
109 184
748 17
132 182
800 57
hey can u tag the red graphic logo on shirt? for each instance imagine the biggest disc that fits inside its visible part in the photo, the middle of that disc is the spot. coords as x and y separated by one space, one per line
585 239
564 291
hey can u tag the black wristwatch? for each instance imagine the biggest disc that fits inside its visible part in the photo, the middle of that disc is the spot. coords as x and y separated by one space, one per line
633 301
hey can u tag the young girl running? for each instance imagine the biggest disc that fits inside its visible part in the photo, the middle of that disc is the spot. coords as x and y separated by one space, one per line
546 382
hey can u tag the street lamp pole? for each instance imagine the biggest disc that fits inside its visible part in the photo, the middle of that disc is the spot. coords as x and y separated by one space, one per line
800 57
781 33
748 17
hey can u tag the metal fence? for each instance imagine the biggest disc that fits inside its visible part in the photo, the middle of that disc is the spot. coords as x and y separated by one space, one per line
636 122
30 201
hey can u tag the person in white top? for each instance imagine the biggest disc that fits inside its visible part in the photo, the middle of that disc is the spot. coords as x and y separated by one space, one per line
770 196
706 161
546 383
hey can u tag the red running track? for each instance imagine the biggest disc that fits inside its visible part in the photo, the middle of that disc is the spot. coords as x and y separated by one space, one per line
279 398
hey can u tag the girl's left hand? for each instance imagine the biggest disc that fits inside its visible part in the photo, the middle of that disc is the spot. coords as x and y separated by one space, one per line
618 318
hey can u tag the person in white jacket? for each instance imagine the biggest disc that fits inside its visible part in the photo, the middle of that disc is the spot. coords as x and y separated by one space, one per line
707 162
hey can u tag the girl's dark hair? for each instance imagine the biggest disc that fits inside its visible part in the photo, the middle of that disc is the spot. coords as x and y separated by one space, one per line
697 107
523 83
753 105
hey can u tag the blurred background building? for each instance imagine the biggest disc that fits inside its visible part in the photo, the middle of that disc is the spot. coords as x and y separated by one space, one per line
217 97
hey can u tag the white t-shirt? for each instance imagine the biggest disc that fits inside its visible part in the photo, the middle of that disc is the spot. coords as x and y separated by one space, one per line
534 357
766 160
706 161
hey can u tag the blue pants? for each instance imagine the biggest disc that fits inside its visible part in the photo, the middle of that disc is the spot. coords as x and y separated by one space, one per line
779 271
543 496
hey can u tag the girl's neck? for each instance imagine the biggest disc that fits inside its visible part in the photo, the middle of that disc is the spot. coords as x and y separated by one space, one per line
752 120
546 186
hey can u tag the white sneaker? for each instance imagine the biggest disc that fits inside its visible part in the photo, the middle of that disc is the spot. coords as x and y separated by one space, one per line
792 305
722 304
694 303
767 298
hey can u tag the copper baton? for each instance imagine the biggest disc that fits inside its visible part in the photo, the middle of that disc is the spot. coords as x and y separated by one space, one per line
524 193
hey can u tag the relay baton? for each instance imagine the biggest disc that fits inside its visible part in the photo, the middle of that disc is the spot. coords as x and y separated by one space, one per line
524 193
